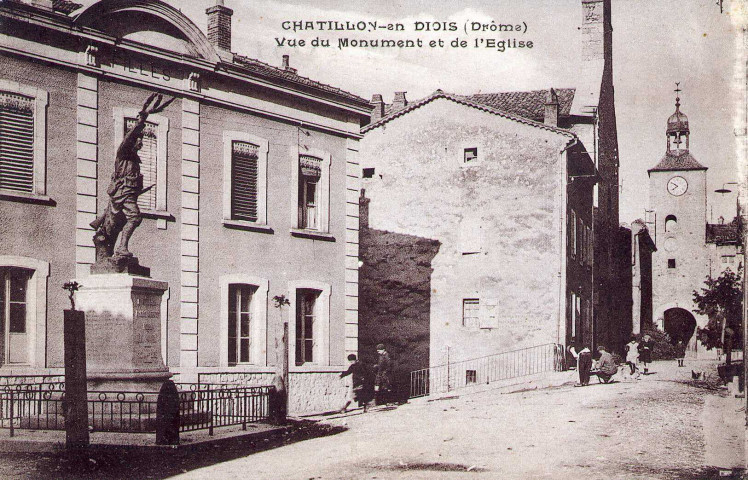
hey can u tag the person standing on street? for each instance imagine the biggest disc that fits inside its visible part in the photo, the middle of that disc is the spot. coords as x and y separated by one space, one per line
645 352
680 352
383 379
584 362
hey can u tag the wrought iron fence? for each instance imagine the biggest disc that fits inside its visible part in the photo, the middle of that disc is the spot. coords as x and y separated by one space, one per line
41 407
484 370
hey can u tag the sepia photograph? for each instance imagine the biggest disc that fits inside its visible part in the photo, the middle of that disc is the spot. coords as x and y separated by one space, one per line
297 239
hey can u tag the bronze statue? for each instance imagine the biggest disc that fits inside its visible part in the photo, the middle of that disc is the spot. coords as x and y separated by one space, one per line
122 214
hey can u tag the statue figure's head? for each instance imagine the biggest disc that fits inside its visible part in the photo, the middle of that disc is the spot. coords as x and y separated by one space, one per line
138 143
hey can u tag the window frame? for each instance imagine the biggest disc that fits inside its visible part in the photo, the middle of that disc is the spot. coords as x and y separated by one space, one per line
36 308
41 102
229 137
321 329
258 324
162 161
473 160
323 193
471 301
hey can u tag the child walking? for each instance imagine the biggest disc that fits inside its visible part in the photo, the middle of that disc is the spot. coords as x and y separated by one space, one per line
632 357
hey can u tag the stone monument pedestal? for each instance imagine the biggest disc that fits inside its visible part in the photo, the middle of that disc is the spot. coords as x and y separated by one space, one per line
123 332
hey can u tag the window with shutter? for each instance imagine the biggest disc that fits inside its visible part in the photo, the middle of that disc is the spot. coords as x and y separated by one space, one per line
16 142
148 163
310 172
244 176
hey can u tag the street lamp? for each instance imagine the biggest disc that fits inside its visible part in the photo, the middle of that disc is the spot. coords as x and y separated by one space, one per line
724 190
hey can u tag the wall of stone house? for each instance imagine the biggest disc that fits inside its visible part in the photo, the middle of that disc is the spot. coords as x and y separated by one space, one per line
47 231
276 256
421 188
395 298
309 392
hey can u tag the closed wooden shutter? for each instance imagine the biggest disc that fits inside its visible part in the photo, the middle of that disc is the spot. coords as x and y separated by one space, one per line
16 142
148 162
244 172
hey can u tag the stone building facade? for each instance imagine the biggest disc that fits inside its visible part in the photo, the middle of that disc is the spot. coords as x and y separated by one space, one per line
466 194
256 192
478 222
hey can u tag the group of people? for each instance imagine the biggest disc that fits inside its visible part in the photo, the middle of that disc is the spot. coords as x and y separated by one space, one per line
605 366
637 352
360 387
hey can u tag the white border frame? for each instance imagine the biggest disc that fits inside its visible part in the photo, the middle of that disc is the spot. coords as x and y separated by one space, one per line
324 196
41 100
321 329
36 307
162 123
262 175
258 333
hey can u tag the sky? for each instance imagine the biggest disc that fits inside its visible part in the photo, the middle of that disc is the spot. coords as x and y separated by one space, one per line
655 44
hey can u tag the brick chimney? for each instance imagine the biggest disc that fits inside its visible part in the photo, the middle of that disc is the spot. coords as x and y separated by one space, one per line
399 102
550 112
219 26
287 64
377 108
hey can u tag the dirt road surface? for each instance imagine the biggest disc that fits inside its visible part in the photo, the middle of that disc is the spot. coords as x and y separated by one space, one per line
653 428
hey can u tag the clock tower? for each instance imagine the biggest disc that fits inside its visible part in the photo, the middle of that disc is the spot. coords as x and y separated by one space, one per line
677 222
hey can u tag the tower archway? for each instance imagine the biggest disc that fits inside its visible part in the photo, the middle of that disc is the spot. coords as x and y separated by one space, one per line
679 324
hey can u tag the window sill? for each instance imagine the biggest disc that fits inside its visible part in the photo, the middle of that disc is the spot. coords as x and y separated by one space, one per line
246 225
313 234
306 368
158 214
23 197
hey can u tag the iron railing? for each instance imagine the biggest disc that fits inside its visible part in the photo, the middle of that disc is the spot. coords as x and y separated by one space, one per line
41 407
484 370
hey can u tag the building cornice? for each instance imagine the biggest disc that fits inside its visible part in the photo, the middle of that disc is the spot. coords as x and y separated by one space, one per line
219 68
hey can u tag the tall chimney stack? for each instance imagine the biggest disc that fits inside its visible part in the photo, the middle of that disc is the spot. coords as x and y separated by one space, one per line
219 26
377 108
550 112
399 102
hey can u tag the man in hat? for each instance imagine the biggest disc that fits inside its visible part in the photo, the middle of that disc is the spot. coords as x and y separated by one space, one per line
383 379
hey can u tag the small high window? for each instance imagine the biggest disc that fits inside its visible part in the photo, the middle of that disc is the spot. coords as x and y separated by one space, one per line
671 222
670 263
368 173
471 376
470 155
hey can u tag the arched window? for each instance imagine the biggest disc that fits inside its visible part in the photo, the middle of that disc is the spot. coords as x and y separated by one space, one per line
670 223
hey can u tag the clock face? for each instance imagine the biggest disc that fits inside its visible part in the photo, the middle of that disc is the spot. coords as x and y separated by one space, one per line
677 186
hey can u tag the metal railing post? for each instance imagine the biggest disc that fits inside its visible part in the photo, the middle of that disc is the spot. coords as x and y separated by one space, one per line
11 414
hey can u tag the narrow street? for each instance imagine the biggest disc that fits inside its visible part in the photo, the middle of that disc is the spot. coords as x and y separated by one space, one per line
652 428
